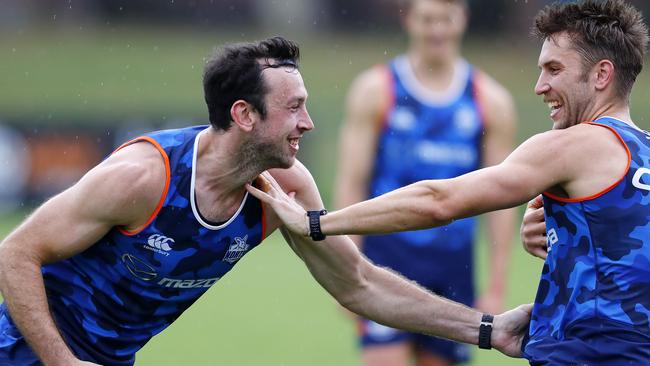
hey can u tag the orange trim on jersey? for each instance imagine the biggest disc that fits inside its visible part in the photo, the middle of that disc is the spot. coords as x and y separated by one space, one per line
167 180
263 221
390 97
361 327
593 196
480 103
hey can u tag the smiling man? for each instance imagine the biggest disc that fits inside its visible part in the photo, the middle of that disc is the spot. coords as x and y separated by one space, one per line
101 268
593 301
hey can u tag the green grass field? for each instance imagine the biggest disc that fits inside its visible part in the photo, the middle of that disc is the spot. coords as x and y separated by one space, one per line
268 311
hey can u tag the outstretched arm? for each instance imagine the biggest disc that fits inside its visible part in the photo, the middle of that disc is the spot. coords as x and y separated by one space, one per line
114 193
545 160
380 294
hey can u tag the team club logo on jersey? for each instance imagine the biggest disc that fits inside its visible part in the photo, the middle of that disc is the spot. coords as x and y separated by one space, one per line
146 272
159 244
138 267
236 250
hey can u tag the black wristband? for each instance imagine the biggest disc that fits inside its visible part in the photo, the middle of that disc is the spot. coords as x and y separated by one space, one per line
485 332
314 224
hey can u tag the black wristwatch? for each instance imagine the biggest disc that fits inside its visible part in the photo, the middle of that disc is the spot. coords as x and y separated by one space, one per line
314 224
485 332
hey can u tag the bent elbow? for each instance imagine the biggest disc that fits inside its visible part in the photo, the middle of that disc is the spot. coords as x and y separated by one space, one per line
436 205
352 291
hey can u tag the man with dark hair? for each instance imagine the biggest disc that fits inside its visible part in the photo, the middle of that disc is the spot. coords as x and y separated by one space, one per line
104 266
427 114
593 301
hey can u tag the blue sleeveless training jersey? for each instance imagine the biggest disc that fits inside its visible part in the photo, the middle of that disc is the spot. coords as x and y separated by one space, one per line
426 136
111 299
593 302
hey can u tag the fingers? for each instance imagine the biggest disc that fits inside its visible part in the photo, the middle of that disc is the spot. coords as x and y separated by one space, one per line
533 218
538 252
536 202
533 229
527 308
269 178
260 195
263 183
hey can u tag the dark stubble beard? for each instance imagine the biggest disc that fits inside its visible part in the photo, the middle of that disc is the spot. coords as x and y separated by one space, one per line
256 157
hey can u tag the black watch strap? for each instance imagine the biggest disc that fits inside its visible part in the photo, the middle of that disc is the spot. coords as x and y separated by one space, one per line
314 224
485 332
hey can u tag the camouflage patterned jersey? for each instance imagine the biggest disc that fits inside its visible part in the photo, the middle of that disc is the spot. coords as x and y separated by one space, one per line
593 302
111 299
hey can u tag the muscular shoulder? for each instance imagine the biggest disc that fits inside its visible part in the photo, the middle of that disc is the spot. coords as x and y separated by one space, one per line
582 153
596 142
128 184
595 159
296 180
299 180
369 94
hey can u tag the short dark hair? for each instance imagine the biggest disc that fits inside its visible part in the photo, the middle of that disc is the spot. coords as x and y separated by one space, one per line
234 72
405 5
609 29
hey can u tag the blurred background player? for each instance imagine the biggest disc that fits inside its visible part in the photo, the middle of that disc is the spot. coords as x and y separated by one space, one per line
428 114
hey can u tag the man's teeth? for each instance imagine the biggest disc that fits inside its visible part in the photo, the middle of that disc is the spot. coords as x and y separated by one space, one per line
554 105
294 142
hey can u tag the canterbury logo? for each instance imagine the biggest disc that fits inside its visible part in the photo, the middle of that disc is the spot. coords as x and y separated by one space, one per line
160 242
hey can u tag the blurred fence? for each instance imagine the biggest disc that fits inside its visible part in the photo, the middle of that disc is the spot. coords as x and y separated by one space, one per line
489 17
80 77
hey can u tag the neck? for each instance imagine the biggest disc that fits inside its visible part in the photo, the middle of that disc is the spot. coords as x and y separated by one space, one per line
436 74
222 167
420 61
615 108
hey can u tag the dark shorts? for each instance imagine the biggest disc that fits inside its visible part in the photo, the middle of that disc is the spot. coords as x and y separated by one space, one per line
374 334
445 273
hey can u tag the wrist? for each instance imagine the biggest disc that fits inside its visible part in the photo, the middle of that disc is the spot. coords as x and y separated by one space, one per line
63 360
314 224
485 332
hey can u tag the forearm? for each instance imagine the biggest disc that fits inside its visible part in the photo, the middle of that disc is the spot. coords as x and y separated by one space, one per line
381 295
414 207
348 193
24 294
390 299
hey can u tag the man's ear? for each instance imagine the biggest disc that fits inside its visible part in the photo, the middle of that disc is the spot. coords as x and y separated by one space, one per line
604 74
244 115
